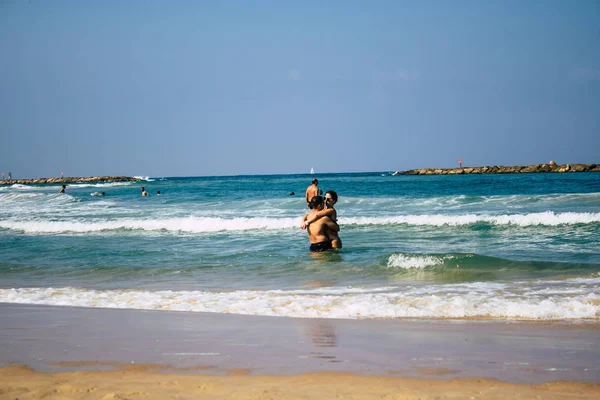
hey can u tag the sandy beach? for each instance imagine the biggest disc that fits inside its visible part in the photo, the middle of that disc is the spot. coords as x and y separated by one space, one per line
22 383
63 352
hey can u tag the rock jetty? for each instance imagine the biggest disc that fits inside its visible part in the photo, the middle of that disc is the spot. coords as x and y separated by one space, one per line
499 169
91 179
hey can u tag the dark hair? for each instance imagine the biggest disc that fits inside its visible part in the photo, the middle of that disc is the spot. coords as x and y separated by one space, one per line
142 188
332 194
315 181
102 193
315 202
158 192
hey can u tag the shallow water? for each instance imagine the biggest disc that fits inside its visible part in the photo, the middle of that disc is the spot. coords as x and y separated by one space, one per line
524 246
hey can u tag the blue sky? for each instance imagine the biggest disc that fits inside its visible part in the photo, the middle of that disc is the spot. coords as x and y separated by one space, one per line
186 88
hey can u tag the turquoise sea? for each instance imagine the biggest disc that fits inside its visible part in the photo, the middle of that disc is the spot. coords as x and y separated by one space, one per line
513 247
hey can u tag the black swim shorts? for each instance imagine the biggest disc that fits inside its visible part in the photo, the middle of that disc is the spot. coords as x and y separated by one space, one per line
322 246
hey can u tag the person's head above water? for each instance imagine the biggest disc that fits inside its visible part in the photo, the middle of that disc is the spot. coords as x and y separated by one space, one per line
315 181
331 194
316 202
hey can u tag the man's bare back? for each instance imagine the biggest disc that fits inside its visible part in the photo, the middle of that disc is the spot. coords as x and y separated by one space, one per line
312 190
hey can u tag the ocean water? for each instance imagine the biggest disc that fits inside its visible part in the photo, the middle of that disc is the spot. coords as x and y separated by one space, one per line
512 247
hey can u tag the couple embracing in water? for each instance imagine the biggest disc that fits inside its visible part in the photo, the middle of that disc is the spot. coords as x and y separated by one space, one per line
321 222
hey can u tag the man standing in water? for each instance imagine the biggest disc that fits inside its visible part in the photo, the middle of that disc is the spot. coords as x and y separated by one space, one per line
312 191
323 231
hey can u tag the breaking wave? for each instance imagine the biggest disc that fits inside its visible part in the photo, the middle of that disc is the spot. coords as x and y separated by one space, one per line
547 218
550 300
215 224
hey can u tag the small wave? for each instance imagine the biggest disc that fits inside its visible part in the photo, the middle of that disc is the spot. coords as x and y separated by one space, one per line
19 196
18 186
466 267
99 185
191 225
439 301
407 261
144 178
31 200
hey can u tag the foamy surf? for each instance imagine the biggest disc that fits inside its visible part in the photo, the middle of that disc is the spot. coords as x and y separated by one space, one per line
216 224
107 185
548 218
476 301
189 225
144 178
408 261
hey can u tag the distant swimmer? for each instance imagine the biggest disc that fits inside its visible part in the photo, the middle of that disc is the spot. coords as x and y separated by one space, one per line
292 194
98 194
312 191
144 193
62 190
323 231
158 192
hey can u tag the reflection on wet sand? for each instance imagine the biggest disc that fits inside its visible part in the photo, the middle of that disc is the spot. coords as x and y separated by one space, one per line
322 333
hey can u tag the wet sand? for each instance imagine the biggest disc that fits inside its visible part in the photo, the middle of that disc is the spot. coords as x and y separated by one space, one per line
65 352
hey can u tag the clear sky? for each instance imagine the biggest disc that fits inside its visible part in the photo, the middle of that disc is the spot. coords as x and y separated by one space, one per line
189 88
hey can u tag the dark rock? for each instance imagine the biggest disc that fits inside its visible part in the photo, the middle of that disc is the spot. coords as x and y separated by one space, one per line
499 169
99 179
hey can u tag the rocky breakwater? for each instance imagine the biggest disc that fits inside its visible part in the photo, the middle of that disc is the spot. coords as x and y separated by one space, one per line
91 179
499 169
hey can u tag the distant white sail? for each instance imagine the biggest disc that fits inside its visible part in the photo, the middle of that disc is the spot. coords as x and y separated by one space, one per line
312 170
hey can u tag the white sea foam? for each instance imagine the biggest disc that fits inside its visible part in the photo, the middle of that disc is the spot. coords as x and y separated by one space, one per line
547 218
215 224
191 224
107 184
471 301
144 178
406 261
18 186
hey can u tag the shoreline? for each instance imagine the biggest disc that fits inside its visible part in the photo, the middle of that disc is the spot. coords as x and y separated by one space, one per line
90 179
58 339
499 169
85 353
